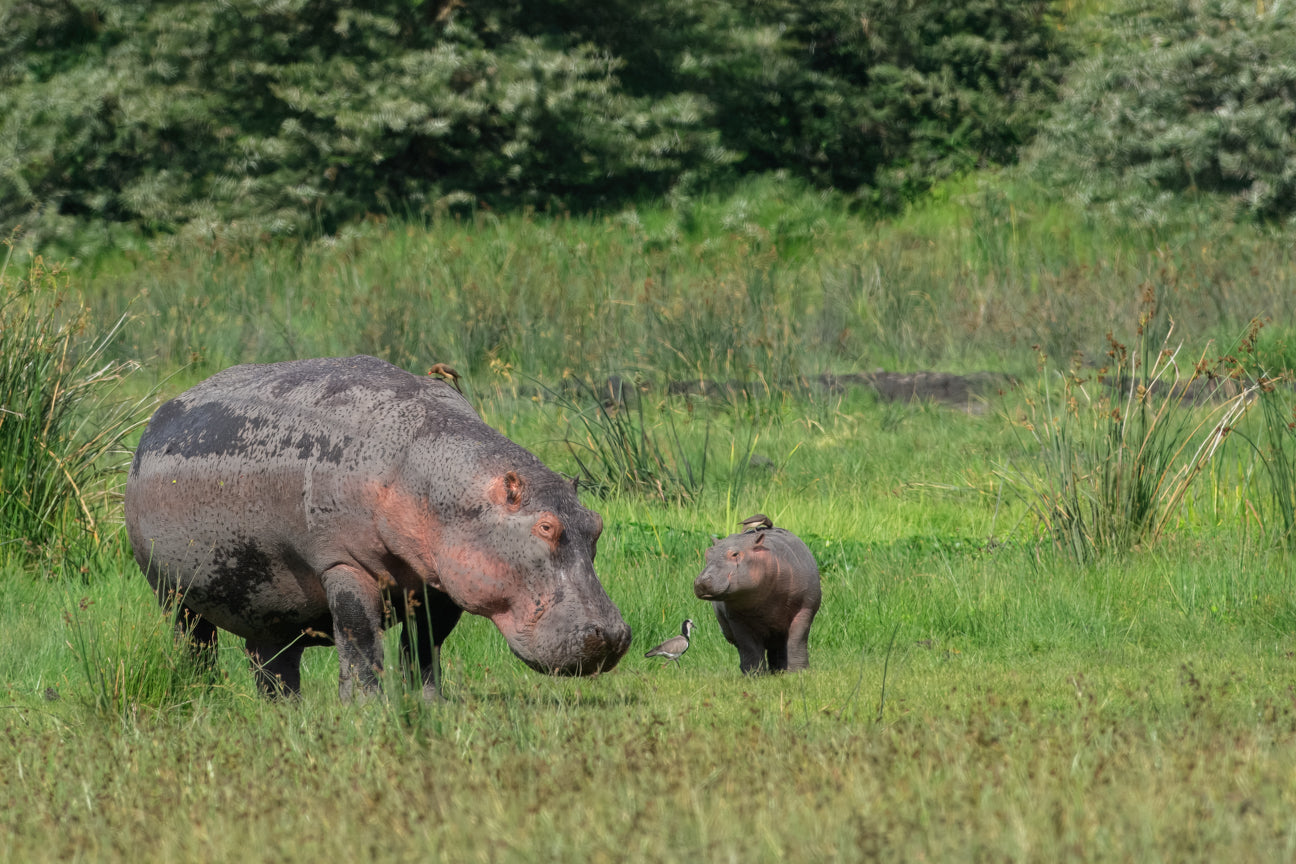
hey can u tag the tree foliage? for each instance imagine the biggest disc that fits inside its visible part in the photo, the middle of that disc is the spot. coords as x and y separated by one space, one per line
291 116
1183 97
880 98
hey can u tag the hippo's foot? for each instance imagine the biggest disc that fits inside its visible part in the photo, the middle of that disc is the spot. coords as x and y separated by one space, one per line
423 677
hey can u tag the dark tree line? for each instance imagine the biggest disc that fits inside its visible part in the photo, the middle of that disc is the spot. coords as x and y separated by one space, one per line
296 116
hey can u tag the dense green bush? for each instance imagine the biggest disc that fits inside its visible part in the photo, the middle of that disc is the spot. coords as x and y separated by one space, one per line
300 114
297 115
877 98
1185 96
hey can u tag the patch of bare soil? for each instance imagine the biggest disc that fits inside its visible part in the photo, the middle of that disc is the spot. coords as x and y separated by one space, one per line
969 393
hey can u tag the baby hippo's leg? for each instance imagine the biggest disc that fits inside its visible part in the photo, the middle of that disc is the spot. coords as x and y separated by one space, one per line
798 642
751 648
776 648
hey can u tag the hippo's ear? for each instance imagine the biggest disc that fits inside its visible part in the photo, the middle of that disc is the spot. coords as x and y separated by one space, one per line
760 541
507 491
513 490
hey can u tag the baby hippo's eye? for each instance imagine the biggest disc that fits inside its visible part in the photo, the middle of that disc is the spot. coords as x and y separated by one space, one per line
734 554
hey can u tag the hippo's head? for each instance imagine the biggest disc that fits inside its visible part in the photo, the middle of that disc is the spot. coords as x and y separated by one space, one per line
523 556
735 565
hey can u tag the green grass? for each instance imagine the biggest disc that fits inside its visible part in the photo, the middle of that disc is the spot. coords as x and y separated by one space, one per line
1139 707
1041 716
718 289
63 413
975 693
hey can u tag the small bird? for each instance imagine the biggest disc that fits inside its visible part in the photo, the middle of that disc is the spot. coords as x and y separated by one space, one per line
674 647
757 522
446 372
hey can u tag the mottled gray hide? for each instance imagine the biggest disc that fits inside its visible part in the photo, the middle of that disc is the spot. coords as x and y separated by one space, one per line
764 587
307 503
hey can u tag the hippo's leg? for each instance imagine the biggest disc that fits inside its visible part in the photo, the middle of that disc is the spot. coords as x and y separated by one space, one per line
798 641
276 665
357 607
776 649
722 618
428 621
200 635
195 631
751 648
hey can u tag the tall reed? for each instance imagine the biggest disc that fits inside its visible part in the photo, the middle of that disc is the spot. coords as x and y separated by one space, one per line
1117 448
62 416
616 448
1271 375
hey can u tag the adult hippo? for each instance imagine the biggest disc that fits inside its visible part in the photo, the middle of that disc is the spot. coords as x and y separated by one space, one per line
764 586
296 504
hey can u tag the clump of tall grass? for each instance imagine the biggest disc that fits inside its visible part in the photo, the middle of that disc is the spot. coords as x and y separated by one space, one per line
130 656
1271 375
617 450
62 418
1117 448
1277 449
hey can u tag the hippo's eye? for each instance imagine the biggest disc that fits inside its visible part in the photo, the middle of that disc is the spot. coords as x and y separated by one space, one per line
547 528
734 554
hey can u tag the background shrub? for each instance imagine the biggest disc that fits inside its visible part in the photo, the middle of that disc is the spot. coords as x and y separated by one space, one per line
1182 97
296 116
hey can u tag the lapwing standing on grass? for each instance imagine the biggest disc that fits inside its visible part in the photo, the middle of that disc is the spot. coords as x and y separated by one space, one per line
675 646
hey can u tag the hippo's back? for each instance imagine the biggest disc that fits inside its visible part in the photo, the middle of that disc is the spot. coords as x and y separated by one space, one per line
789 548
259 478
332 409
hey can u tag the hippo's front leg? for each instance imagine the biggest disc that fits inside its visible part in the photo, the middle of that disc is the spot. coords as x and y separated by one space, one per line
356 604
428 621
776 652
751 650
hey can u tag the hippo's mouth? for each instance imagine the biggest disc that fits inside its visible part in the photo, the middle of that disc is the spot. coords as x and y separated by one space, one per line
576 668
708 592
591 650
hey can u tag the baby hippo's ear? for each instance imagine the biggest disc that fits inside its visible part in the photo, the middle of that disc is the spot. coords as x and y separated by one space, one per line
760 541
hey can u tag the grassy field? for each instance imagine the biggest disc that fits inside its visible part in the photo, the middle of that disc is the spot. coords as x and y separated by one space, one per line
976 692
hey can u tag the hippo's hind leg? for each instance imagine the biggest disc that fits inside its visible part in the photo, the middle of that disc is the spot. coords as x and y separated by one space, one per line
200 635
276 665
195 631
429 618
797 655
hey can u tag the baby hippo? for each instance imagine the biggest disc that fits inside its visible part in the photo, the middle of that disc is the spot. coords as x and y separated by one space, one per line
764 586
